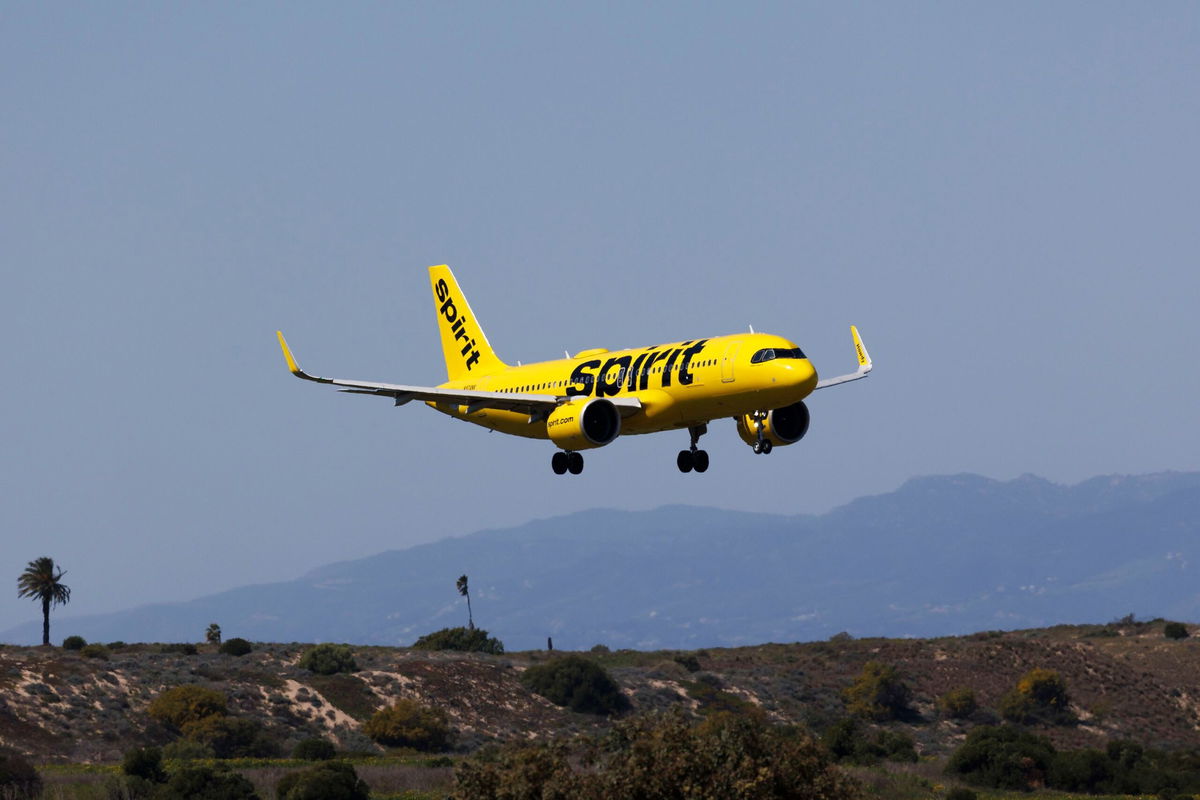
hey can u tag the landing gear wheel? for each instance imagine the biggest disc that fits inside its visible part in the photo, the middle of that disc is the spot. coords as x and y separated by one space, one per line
685 462
558 462
766 447
575 463
758 447
700 460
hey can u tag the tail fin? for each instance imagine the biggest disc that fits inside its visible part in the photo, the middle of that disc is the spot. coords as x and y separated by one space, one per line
467 350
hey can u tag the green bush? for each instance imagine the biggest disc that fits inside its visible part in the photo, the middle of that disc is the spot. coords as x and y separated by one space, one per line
1003 758
180 648
958 703
314 750
577 683
688 662
18 778
145 763
207 783
74 643
407 723
117 645
181 705
237 646
231 737
664 756
878 693
1039 697
329 659
1172 630
98 651
472 640
847 742
335 780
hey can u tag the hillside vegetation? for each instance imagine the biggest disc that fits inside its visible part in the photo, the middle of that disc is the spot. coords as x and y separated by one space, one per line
1124 682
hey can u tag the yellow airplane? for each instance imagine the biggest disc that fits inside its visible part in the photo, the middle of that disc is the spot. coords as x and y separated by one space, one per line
585 401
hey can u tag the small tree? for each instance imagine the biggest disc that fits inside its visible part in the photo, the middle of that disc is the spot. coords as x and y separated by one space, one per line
878 693
145 763
314 750
213 634
461 584
1003 758
192 782
42 581
577 683
407 723
18 778
231 737
329 659
1175 630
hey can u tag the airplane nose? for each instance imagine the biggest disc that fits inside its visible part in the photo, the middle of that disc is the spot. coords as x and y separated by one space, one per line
806 375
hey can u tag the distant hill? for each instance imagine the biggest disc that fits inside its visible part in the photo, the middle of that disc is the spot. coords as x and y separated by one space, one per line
938 556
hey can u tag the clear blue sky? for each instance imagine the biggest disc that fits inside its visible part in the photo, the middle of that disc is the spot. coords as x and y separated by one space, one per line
1003 197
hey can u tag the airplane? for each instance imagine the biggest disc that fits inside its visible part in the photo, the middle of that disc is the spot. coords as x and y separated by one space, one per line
585 401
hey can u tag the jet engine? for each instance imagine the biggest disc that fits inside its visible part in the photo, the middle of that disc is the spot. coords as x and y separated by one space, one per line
782 426
584 425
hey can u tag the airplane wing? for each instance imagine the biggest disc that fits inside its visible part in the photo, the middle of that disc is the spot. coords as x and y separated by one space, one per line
864 364
537 406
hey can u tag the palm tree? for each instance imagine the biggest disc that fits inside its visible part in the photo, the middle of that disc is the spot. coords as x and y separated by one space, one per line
42 581
213 634
461 583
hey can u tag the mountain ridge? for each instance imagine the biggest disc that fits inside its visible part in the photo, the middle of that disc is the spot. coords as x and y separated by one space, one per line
940 555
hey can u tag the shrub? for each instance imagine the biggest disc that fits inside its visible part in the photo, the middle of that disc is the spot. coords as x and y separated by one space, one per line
145 763
181 705
958 703
187 750
231 737
878 693
18 778
663 756
1039 697
577 683
474 640
1002 758
314 750
181 648
959 793
94 651
329 659
117 645
237 646
600 650
846 743
335 780
193 782
410 724
1172 630
74 643
688 662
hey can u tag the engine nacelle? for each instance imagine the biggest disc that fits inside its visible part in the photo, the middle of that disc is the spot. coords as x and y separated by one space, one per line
782 426
584 425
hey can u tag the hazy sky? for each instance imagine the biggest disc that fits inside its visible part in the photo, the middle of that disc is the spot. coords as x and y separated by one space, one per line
1003 197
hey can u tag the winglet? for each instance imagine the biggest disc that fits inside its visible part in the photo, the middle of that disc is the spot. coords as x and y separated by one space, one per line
860 350
293 367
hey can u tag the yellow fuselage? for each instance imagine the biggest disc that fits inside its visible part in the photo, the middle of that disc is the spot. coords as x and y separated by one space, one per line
679 385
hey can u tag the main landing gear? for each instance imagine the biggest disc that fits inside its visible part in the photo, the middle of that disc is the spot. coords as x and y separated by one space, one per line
566 461
763 445
693 459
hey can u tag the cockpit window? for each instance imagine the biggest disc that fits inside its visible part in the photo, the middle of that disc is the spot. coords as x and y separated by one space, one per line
772 353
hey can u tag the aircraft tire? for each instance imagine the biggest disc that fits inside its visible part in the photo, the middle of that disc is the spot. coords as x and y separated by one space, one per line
766 448
575 463
684 461
757 447
559 462
700 461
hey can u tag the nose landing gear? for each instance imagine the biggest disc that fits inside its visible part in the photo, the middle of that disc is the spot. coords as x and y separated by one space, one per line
762 445
566 461
692 458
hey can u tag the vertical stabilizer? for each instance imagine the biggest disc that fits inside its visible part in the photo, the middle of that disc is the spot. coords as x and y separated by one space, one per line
466 348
